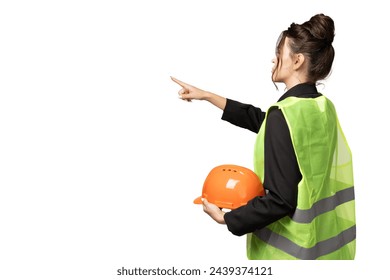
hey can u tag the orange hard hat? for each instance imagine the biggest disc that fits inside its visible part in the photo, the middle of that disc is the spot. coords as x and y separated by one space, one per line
230 186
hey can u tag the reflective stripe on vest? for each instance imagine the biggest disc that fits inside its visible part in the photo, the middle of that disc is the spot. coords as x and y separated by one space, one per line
320 249
323 225
324 205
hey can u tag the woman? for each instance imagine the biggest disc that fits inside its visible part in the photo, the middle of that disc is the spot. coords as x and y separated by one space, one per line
301 156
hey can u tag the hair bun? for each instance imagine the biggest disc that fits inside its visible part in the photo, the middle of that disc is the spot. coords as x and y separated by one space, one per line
321 27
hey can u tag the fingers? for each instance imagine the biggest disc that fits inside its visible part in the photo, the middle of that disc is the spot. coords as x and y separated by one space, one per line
180 83
184 91
213 211
205 204
183 84
184 94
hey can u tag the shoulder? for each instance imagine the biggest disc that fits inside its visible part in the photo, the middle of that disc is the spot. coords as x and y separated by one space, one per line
276 123
275 115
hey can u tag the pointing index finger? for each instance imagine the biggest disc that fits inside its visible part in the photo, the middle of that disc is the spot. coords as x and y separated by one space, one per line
183 84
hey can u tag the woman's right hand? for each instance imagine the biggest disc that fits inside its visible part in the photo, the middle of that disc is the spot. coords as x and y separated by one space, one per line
189 92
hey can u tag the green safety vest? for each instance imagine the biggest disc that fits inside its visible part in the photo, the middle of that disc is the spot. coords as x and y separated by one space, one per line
323 225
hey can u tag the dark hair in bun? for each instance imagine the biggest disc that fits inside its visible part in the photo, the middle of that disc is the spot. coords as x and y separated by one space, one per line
313 39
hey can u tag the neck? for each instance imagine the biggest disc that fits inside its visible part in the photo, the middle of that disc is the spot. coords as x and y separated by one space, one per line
295 81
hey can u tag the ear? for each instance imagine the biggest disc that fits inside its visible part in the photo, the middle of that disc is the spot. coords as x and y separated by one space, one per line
299 60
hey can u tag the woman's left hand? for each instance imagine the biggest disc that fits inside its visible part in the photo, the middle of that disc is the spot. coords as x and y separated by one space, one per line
213 211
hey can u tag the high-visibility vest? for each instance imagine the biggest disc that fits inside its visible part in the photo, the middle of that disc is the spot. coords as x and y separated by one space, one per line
323 225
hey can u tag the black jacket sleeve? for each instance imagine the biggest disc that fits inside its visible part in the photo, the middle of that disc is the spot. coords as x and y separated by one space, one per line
243 115
281 178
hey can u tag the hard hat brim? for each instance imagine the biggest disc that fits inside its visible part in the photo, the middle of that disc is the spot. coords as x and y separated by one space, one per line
198 200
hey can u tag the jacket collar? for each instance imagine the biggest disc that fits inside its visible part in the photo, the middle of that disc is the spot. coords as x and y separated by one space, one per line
301 90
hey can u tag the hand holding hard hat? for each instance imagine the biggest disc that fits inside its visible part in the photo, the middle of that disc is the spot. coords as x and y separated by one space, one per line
213 211
230 186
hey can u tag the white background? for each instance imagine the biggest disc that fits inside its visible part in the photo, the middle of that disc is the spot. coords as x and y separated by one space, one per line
100 161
